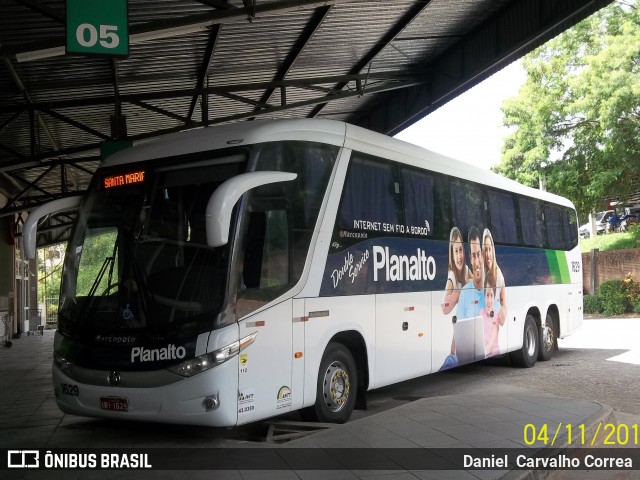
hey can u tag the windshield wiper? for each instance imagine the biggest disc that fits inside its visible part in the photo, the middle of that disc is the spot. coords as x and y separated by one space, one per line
108 262
147 298
92 303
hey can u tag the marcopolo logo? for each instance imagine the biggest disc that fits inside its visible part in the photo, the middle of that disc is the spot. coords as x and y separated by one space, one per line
170 352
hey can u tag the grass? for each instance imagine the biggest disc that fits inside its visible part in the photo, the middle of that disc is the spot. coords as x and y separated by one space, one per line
612 241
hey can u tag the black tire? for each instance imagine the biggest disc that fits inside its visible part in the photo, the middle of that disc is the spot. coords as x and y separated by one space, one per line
526 357
336 388
548 340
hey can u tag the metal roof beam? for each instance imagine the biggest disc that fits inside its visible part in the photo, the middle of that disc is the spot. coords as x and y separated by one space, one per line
393 32
212 44
63 225
27 183
166 28
27 97
35 160
82 169
219 4
13 152
29 186
31 203
44 10
225 90
298 48
10 121
394 83
40 160
519 28
214 36
161 111
74 123
387 87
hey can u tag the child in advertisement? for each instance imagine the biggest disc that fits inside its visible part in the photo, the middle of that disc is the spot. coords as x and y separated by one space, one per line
459 274
491 267
490 322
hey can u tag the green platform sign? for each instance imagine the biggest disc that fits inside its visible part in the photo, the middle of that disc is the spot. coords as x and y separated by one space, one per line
98 27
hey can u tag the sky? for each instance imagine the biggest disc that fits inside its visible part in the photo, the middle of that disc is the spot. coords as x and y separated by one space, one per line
469 127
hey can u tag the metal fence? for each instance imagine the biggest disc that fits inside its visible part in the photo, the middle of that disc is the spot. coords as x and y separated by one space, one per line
51 311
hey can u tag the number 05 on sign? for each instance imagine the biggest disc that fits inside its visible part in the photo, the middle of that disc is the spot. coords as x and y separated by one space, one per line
97 27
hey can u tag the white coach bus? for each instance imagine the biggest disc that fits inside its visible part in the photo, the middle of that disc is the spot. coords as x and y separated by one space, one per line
225 275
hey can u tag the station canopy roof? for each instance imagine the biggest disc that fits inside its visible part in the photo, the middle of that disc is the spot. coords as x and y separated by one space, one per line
379 64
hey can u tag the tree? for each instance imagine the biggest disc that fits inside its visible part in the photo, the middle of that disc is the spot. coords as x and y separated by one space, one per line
577 116
50 261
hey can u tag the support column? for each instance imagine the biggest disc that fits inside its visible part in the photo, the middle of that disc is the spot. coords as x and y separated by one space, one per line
7 266
594 271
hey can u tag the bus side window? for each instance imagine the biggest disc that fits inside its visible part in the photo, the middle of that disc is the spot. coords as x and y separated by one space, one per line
555 229
502 211
570 225
265 273
532 222
370 194
417 196
468 206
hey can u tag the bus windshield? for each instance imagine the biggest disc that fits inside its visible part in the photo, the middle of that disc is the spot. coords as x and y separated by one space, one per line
138 260
138 265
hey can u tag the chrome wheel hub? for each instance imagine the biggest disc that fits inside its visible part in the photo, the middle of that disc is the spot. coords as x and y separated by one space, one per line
336 386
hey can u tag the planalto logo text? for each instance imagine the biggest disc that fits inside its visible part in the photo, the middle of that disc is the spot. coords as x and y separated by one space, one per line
403 267
170 352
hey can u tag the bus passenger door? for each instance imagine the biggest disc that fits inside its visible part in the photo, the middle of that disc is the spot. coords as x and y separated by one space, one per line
297 370
264 377
403 345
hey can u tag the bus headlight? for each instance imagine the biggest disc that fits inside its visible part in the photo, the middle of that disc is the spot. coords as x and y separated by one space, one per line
61 361
193 366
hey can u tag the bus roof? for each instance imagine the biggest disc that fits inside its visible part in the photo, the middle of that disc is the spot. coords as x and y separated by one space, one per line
325 131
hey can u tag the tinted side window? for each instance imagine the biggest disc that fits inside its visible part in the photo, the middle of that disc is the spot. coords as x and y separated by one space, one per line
555 227
266 269
570 228
369 194
418 199
280 220
468 206
313 163
502 210
532 222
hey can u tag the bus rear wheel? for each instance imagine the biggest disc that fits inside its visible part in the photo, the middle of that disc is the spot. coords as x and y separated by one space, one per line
548 340
526 357
336 388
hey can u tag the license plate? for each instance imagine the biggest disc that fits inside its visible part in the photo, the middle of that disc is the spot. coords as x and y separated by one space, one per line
114 403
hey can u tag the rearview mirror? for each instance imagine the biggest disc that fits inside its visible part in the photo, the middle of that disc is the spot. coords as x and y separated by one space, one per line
30 230
222 201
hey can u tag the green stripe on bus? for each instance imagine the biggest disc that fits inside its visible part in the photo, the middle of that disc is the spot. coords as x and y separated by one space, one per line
558 267
554 270
563 265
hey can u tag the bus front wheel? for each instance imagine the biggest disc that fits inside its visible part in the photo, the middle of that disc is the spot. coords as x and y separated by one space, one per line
526 357
336 388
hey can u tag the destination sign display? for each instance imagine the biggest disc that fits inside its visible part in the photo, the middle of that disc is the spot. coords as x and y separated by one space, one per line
123 180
